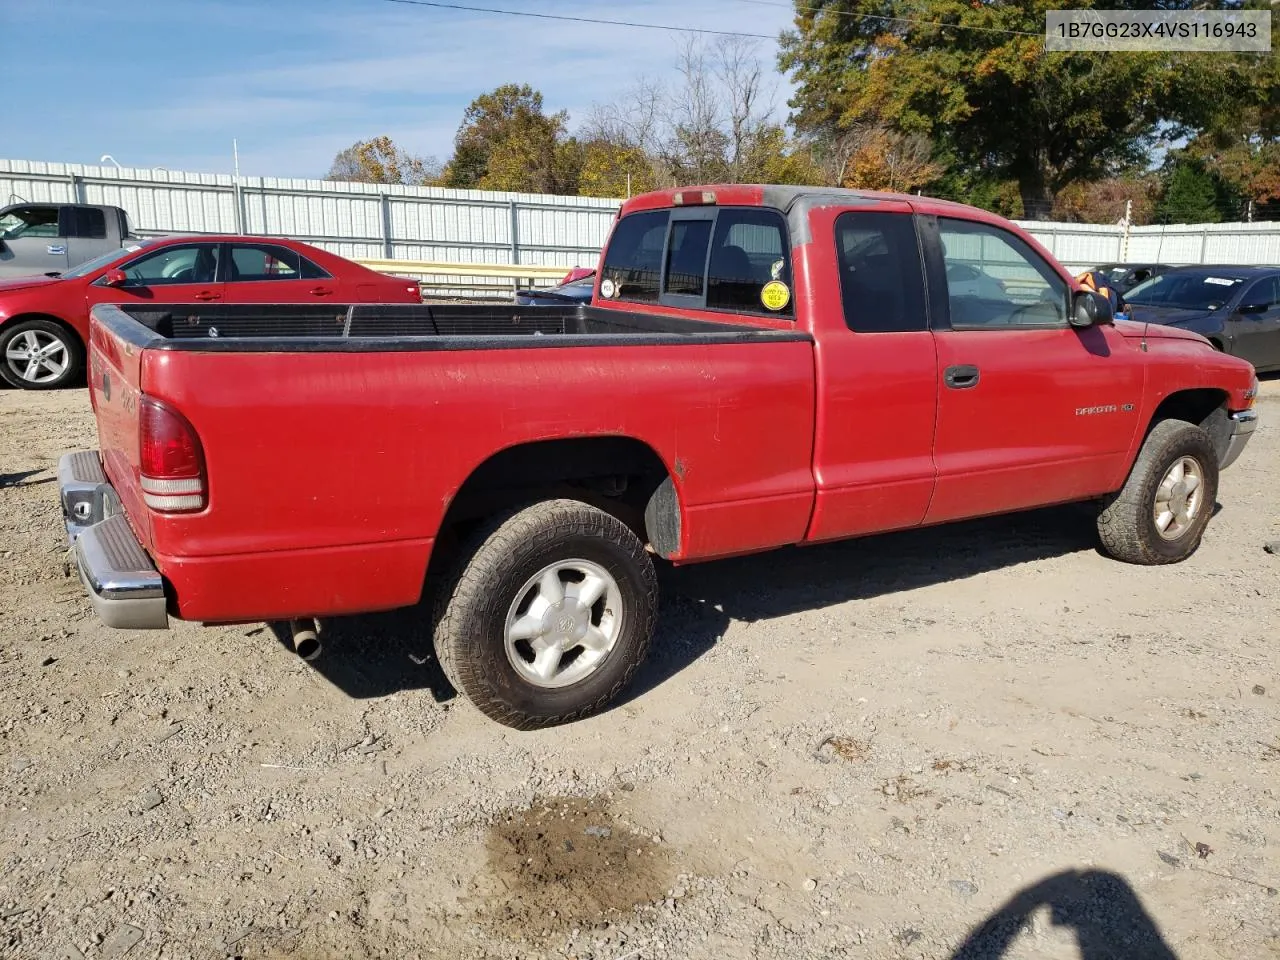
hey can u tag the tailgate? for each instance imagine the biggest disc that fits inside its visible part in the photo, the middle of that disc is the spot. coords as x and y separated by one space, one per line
114 376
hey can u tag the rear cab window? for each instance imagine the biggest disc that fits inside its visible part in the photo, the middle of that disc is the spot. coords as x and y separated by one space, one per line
88 223
733 259
882 282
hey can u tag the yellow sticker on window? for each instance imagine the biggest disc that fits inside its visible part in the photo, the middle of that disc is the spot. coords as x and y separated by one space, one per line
775 295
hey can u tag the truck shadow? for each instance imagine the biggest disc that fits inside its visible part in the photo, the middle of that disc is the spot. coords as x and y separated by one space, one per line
1101 908
376 655
700 601
23 478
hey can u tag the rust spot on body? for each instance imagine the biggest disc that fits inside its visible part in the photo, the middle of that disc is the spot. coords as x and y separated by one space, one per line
680 468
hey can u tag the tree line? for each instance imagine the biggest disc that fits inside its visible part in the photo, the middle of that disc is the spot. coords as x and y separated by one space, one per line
952 98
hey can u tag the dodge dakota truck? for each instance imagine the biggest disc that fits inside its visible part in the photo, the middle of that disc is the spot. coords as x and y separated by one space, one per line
759 367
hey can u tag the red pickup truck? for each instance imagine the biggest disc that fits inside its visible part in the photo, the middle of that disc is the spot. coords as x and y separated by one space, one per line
760 366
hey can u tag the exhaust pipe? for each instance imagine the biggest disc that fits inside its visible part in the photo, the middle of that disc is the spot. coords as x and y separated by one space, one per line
305 642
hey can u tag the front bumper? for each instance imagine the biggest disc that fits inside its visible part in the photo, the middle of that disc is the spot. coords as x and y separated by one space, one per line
1243 422
124 587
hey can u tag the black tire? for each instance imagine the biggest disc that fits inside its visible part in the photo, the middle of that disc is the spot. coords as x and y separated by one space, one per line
472 607
44 329
1127 524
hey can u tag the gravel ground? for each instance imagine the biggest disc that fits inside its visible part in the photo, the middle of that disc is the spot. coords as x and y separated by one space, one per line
979 741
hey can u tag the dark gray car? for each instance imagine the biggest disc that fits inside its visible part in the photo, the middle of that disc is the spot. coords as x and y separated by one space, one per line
1237 308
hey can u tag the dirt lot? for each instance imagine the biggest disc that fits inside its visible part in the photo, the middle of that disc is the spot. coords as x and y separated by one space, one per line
876 749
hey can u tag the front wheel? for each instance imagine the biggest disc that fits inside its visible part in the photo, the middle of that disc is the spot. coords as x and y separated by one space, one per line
550 616
1160 514
39 354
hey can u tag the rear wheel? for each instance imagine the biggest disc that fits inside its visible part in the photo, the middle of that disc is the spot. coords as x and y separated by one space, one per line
550 615
39 354
1161 512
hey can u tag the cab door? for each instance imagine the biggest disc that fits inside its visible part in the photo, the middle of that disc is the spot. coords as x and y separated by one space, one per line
85 229
31 241
877 372
1255 324
272 273
173 273
1031 411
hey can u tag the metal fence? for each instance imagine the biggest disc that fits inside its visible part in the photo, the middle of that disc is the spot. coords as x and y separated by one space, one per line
469 227
357 220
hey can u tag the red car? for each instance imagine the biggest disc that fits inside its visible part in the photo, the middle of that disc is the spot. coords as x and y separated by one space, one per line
44 320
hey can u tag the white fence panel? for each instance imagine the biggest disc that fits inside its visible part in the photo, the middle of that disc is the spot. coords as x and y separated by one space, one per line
383 221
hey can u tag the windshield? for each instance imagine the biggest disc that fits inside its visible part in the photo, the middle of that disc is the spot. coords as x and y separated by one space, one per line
99 262
1185 291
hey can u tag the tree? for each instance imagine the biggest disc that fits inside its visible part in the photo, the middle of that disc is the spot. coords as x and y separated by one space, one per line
380 161
507 142
1229 112
1105 201
715 124
611 169
874 156
1193 194
995 100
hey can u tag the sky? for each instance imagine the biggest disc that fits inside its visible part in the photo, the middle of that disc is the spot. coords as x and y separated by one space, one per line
171 82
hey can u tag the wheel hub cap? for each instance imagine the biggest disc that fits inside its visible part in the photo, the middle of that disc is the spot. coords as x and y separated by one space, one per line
563 623
36 356
1179 498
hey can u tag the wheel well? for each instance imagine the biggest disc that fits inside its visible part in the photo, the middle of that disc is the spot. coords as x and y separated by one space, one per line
48 318
1206 407
1216 343
620 475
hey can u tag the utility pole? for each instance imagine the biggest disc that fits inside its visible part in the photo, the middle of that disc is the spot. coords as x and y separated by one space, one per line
236 193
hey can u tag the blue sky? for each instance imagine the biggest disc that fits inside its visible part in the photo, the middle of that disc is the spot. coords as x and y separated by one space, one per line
171 82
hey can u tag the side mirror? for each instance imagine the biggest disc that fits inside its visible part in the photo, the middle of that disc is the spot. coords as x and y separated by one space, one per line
1248 308
114 278
1089 309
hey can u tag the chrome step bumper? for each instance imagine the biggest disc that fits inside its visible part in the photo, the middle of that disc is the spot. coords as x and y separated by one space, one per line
86 494
124 587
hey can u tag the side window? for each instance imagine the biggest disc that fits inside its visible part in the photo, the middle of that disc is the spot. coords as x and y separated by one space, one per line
197 263
261 262
994 279
749 250
881 274
1263 293
633 262
88 224
29 222
687 257
313 271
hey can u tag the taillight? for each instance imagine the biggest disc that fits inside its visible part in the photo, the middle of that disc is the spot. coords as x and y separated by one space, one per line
170 459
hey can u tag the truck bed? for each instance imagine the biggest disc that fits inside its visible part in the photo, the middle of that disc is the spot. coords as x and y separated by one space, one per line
362 327
336 438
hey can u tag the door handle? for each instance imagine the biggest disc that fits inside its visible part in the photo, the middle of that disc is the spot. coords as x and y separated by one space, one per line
208 295
961 377
320 291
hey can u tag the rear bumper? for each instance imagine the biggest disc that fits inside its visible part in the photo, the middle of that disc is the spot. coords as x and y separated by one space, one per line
124 587
1243 422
